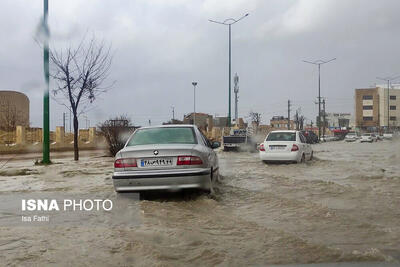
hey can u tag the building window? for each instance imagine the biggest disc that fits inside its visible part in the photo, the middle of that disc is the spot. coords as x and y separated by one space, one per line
367 118
392 97
367 107
368 97
392 118
392 107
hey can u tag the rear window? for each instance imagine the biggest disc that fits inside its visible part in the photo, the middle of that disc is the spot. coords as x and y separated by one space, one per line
170 135
281 136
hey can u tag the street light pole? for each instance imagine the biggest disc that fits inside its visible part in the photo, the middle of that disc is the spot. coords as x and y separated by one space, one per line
229 22
46 112
194 102
319 63
230 79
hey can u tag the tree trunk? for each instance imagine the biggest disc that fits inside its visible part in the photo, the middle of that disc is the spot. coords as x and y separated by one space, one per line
76 130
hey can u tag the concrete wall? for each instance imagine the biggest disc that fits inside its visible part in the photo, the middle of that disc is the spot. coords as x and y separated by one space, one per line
25 136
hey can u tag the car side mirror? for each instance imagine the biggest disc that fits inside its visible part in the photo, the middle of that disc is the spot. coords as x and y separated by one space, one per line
215 145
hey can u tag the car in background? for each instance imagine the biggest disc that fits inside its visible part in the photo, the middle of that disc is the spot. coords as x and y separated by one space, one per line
388 136
351 137
285 146
328 138
368 137
239 140
311 137
168 157
379 137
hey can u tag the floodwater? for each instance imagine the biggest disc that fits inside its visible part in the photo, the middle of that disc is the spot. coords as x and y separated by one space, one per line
344 206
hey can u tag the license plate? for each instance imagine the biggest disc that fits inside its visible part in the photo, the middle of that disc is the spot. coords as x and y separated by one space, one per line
277 147
157 162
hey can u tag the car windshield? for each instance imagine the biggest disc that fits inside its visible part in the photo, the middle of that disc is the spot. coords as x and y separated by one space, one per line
366 134
167 135
281 136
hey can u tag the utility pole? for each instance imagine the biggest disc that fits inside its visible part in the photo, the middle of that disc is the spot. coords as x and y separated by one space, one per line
46 106
64 120
388 80
323 102
301 122
288 114
173 113
319 63
229 22
194 102
236 91
297 120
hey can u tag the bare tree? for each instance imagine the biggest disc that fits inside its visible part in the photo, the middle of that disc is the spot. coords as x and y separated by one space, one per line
255 118
80 73
8 117
116 132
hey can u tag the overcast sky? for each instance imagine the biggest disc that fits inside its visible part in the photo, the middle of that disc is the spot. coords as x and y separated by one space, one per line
161 46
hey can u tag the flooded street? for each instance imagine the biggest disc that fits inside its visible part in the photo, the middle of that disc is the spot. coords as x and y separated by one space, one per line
343 206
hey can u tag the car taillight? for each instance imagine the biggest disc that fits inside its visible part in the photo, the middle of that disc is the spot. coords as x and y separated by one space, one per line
262 148
189 160
295 147
125 163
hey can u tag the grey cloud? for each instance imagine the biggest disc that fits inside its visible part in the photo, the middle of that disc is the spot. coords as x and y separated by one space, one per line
162 46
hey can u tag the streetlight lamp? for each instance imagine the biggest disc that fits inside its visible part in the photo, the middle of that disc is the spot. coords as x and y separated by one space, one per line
388 80
319 63
229 22
194 102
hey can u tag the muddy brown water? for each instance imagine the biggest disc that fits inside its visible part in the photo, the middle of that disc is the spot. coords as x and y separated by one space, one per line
344 206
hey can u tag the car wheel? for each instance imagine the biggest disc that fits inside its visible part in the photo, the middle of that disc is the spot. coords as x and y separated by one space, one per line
211 189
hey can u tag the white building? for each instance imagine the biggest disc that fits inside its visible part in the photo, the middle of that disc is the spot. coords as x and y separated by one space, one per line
338 120
391 107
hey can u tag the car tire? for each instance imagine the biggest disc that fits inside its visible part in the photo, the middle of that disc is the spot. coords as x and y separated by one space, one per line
303 158
211 189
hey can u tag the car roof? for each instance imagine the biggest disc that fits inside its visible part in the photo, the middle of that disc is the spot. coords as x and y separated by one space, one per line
169 126
283 131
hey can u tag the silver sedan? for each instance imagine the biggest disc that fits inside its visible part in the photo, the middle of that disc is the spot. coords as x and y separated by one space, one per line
168 157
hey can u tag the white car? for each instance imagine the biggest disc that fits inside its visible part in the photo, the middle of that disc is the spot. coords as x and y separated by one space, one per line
368 137
387 136
286 145
351 137
328 138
